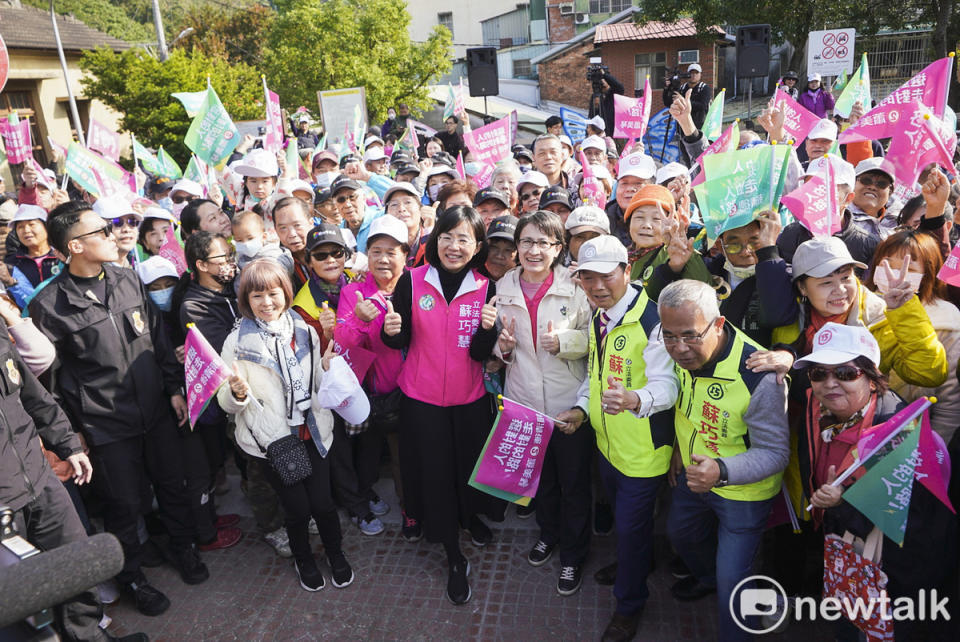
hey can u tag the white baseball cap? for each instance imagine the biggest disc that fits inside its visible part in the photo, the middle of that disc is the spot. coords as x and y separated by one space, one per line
637 164
825 128
670 171
593 142
291 185
190 187
843 172
304 118
876 164
812 77
836 343
114 206
400 186
156 267
602 255
694 67
158 212
390 226
565 140
30 213
259 163
597 121
374 153
372 140
587 216
533 177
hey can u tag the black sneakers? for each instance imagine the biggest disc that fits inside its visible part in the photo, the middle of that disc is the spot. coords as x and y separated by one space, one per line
187 561
540 553
411 530
571 577
480 533
342 573
149 600
311 579
458 589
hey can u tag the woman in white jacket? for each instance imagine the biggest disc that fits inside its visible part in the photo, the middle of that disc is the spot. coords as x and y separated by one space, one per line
282 385
543 342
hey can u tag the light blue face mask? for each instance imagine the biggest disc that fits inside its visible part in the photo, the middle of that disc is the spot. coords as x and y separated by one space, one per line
166 203
162 298
472 169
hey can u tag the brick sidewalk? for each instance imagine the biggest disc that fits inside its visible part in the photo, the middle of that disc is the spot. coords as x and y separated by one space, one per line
399 594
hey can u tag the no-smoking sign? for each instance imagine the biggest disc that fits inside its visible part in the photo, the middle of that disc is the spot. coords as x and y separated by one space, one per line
830 52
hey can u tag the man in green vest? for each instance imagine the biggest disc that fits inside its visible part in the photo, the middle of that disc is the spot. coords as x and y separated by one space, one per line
732 441
628 396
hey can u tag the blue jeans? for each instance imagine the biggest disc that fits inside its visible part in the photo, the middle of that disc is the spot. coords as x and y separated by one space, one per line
717 539
632 499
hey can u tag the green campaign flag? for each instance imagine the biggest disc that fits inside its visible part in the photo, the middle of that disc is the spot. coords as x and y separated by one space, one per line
212 135
166 166
83 165
739 185
449 108
146 158
883 493
857 89
194 172
713 123
192 101
835 148
840 81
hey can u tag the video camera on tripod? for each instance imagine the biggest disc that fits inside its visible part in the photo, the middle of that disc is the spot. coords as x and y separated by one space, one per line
595 72
675 76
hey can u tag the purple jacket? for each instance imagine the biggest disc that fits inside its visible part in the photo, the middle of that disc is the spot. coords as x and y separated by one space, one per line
819 101
352 332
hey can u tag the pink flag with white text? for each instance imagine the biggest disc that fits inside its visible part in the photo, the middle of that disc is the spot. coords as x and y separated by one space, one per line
100 138
631 115
797 119
273 137
204 371
811 205
16 138
490 143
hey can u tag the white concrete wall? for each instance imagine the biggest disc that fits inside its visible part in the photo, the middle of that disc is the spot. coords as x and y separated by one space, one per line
467 15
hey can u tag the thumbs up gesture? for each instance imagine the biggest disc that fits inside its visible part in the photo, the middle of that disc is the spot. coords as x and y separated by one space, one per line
365 309
828 495
508 338
488 314
702 473
549 340
392 321
238 385
327 319
615 399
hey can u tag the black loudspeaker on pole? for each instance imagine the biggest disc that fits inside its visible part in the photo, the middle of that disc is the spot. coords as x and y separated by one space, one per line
482 71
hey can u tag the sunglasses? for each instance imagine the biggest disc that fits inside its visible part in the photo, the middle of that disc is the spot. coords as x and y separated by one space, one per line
129 221
529 195
879 183
182 199
106 230
338 253
842 373
344 199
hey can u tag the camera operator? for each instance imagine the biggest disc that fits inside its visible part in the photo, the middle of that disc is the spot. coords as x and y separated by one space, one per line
604 87
700 96
44 514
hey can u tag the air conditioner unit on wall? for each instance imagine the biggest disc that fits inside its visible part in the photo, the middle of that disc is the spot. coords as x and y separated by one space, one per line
566 8
582 18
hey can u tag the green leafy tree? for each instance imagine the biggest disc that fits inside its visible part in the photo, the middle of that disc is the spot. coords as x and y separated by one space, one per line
222 32
329 44
102 15
139 86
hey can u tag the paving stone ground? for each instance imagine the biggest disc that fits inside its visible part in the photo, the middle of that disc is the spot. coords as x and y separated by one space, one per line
399 593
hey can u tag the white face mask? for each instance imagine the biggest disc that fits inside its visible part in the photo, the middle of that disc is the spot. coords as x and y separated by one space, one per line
883 285
249 249
740 272
323 179
433 190
178 208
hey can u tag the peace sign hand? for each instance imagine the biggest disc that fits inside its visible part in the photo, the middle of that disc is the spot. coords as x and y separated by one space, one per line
508 339
899 290
680 248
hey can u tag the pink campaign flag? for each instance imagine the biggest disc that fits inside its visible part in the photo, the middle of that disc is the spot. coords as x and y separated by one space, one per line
950 272
357 358
16 138
933 471
460 168
490 143
273 138
929 87
727 142
57 147
920 139
591 190
101 139
812 206
204 371
482 178
513 455
631 115
797 119
173 251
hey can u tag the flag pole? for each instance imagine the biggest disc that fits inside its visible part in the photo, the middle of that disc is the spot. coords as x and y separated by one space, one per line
74 114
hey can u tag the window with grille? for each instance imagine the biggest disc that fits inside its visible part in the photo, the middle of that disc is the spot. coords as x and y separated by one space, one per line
521 68
650 64
609 6
446 20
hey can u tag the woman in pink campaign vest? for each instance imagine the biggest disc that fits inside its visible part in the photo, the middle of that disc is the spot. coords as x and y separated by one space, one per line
443 315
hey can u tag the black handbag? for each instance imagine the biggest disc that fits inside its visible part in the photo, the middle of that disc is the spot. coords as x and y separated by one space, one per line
288 457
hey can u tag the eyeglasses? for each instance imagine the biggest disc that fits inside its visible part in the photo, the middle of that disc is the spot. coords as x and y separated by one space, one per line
183 199
694 340
738 248
352 197
338 253
842 373
129 221
463 241
106 230
227 259
879 183
542 244
532 194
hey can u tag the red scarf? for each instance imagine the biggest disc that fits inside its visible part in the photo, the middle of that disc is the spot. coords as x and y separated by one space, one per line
817 321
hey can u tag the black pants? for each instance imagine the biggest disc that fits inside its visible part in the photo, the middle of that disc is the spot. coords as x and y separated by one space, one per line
50 521
563 497
367 452
439 447
343 473
310 497
203 455
119 469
